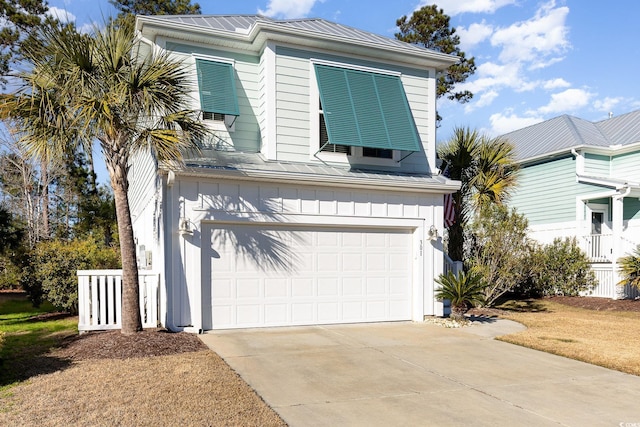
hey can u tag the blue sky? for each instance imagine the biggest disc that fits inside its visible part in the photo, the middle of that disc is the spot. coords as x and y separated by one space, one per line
536 59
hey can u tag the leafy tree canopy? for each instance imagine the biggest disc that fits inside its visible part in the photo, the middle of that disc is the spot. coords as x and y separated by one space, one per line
156 7
429 27
19 19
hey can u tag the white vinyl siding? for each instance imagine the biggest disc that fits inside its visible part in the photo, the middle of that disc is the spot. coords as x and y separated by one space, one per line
246 136
292 106
143 181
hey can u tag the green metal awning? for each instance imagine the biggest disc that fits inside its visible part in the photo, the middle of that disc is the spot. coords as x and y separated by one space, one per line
217 87
366 109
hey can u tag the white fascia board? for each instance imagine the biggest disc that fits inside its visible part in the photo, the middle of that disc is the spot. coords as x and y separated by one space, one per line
437 186
607 182
612 150
265 31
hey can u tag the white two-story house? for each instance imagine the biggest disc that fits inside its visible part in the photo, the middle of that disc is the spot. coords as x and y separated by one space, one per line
317 198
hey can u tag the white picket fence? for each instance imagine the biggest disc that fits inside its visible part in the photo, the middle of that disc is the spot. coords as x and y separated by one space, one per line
100 299
608 286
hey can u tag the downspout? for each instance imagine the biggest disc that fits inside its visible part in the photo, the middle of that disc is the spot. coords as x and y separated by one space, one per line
579 163
627 191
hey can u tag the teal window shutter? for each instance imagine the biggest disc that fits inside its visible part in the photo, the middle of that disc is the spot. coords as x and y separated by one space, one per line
366 109
217 87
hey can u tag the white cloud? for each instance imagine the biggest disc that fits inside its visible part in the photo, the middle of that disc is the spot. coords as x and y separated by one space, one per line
475 34
555 84
491 75
569 100
455 7
536 39
484 100
501 123
288 9
61 15
607 103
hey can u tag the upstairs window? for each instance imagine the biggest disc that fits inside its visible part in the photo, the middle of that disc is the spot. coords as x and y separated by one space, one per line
366 109
217 88
325 146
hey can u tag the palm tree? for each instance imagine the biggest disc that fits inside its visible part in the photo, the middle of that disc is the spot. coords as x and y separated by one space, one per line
463 290
106 87
487 169
630 268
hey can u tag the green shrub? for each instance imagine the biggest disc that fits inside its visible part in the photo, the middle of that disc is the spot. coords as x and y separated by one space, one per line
463 290
52 267
562 268
10 273
630 268
499 250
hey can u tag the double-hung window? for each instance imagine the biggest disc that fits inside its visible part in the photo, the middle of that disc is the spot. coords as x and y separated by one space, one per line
364 109
217 89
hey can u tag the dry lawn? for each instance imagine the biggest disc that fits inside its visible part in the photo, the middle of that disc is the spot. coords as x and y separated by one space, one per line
189 389
605 338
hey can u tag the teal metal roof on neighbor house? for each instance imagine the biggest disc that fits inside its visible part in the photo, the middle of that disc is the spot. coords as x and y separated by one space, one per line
565 132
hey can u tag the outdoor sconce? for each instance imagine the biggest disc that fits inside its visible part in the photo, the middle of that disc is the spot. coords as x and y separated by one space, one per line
432 234
184 227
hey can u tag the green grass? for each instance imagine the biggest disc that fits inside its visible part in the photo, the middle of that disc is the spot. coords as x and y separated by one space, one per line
28 335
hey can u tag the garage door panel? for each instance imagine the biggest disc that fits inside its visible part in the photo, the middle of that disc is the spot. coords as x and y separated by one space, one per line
276 288
310 276
248 314
352 286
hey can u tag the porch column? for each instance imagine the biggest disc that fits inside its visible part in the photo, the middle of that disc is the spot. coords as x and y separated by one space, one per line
617 203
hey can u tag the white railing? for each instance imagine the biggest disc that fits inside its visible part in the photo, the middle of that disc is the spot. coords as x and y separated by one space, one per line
598 247
100 299
608 286
450 265
601 247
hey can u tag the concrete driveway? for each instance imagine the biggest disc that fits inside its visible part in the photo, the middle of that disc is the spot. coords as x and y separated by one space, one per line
419 374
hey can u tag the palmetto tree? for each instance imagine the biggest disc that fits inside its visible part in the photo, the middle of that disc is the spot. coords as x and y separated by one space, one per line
106 87
464 290
487 169
630 268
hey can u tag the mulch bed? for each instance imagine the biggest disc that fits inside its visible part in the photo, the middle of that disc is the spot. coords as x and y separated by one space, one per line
114 345
600 304
589 303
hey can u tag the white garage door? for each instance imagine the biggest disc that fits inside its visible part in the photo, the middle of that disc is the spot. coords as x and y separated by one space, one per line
282 276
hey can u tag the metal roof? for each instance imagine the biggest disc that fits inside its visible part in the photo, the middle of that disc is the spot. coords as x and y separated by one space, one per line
243 24
565 132
253 166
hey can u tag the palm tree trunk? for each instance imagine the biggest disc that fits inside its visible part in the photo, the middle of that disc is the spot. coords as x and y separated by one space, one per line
131 320
45 199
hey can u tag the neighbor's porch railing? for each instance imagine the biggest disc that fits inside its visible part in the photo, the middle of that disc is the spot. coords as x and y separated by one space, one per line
600 247
608 286
100 299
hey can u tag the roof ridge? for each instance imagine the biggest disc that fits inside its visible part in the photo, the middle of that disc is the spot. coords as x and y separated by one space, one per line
574 129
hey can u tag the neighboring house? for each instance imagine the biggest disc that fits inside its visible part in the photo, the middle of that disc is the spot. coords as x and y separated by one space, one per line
317 200
582 179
